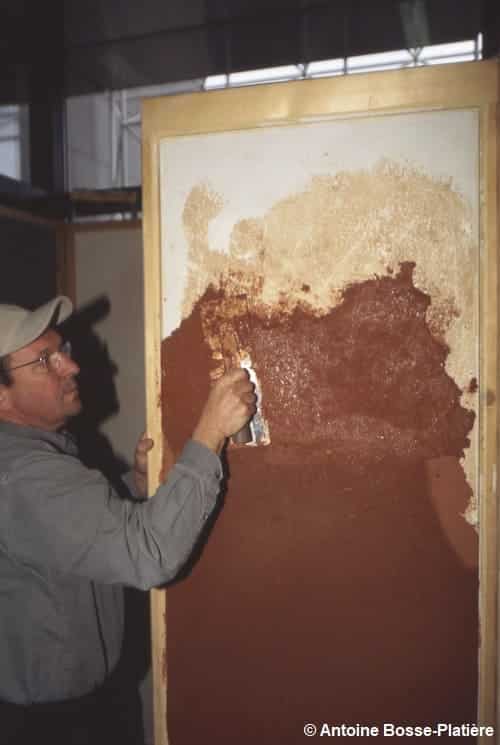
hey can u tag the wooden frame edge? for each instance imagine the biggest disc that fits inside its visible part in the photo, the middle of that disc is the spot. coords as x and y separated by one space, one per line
22 216
488 510
152 322
90 226
340 96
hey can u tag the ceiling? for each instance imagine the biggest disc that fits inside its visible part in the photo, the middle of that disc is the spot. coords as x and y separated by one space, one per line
73 47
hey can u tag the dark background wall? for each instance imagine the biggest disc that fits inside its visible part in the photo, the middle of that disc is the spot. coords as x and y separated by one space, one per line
28 256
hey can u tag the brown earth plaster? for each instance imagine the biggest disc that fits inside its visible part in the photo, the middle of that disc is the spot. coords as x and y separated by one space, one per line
340 582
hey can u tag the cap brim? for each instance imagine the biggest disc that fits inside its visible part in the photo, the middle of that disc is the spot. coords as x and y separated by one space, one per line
51 314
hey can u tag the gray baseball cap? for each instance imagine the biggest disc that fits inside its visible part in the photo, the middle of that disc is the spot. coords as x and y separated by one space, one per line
19 327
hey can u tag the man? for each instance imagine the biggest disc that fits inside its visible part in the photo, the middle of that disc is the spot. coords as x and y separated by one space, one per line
68 542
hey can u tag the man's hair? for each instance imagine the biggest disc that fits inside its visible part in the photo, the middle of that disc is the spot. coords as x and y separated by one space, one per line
5 376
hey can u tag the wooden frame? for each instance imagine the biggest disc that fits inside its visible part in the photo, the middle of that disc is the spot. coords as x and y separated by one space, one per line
470 85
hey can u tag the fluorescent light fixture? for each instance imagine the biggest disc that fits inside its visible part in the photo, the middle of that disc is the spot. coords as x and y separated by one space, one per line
455 50
382 60
215 81
325 67
265 75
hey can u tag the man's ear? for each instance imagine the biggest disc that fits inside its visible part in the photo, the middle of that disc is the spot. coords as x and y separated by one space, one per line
4 397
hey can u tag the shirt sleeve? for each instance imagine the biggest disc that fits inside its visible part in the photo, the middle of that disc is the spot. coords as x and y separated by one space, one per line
129 481
66 518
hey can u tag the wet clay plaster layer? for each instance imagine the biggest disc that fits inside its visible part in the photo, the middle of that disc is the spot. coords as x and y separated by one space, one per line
345 228
339 583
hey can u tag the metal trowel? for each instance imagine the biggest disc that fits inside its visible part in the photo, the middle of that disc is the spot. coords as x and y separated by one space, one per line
256 431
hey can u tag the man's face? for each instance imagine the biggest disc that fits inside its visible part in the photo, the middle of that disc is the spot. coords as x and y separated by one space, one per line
41 396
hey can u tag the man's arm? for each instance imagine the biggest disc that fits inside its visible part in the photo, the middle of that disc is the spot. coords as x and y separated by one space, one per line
65 518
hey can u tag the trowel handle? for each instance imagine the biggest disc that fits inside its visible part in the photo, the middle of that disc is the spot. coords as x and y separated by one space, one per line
243 435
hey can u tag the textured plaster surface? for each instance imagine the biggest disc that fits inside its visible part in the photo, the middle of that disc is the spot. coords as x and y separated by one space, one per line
340 577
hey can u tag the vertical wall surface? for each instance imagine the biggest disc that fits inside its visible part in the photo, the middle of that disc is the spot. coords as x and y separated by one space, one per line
339 582
108 270
109 294
28 254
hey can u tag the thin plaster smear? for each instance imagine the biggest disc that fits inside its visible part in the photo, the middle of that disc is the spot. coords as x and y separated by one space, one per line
346 228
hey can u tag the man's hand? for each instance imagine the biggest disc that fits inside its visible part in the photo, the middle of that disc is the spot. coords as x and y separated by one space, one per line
141 465
230 405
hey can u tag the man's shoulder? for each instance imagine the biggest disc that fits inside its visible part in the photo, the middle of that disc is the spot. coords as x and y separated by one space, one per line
17 449
13 446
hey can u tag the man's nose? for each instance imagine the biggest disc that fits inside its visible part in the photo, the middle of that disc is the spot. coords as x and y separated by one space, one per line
68 366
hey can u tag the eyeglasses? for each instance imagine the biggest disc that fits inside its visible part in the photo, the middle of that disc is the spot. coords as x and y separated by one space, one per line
48 360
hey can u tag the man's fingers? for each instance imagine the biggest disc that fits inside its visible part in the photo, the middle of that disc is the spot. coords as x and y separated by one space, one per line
236 375
141 454
248 396
240 387
145 444
244 389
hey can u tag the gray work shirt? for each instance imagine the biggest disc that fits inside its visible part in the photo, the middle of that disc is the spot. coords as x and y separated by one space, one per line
68 543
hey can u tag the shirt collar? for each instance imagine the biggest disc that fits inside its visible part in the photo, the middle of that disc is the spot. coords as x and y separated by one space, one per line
62 440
